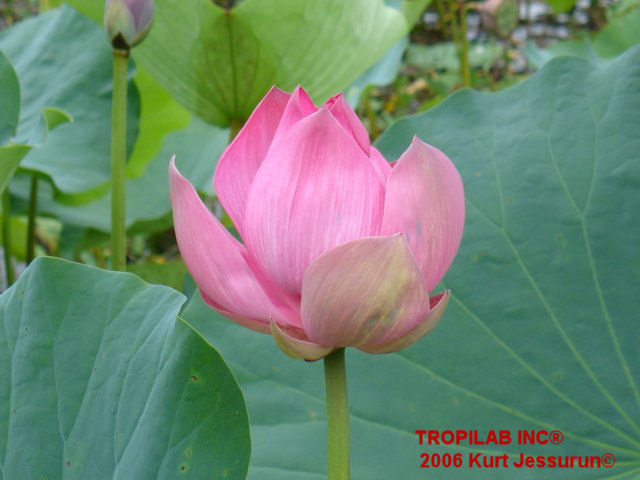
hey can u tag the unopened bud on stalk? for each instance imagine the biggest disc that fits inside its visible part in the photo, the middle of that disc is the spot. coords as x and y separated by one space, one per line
127 22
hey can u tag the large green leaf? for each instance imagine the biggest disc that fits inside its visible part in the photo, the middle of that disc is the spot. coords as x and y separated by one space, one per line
542 331
99 381
9 100
219 63
63 60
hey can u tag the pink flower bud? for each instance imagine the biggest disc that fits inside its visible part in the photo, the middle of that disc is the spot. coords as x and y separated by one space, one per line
127 22
340 249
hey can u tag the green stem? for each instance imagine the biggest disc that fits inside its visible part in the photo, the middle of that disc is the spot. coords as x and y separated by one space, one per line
31 226
442 20
453 20
459 30
464 47
335 380
6 237
119 159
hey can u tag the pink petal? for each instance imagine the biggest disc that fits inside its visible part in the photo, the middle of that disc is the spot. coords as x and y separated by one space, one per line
395 344
425 201
256 325
340 109
240 161
382 167
298 107
217 262
315 190
363 292
297 347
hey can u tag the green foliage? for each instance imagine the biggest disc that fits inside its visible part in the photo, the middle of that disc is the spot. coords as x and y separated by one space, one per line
382 73
159 115
171 274
622 8
64 61
47 232
10 155
99 381
444 56
219 63
165 129
620 34
542 330
148 204
9 100
507 17
560 6
54 117
12 11
10 158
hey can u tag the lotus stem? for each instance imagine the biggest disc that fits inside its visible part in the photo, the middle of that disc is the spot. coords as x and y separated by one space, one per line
442 17
464 47
31 226
119 159
6 237
335 378
453 21
459 31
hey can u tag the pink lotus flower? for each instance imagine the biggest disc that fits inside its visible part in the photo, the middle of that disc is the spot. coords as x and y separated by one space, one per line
341 249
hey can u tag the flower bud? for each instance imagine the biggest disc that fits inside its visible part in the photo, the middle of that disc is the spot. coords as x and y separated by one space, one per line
127 22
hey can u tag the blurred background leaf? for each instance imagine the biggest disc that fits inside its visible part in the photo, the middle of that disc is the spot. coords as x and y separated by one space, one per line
220 62
197 149
9 100
382 73
63 61
620 34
